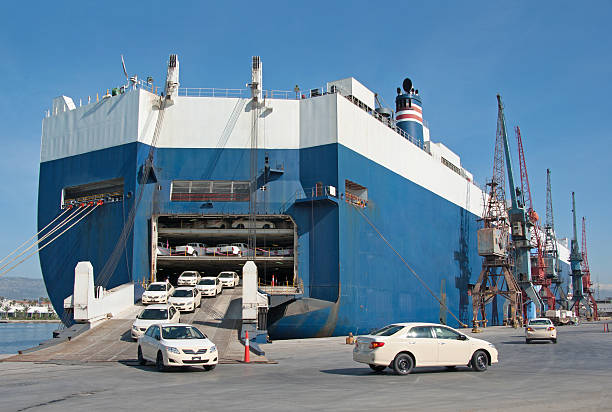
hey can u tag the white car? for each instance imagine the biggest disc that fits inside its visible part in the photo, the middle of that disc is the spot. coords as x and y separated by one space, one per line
163 249
191 249
243 249
245 224
157 292
403 346
189 278
228 250
154 314
209 286
186 299
229 279
540 329
176 344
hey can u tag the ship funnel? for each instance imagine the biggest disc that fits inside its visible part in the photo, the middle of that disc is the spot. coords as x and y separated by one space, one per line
409 112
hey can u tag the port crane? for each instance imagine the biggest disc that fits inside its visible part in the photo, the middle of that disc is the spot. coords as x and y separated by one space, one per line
520 226
538 266
496 277
587 285
575 264
551 251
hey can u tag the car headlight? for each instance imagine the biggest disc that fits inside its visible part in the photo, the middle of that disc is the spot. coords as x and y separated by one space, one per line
213 349
134 327
173 350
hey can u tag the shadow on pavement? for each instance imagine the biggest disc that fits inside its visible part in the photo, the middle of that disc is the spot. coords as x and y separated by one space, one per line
150 367
368 372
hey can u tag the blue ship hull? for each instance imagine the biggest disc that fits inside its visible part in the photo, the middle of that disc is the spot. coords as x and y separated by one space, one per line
357 279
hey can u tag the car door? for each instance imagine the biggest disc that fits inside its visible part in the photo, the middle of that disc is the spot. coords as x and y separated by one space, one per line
145 342
154 346
451 349
197 298
173 314
148 349
421 342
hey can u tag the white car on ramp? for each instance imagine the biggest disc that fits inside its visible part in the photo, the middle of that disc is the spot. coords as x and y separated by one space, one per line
404 346
229 279
157 292
154 314
186 299
210 286
189 278
176 344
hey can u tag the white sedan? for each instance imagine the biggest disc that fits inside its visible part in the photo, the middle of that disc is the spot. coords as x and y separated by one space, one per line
229 279
186 299
176 345
209 286
157 292
154 314
540 329
189 278
403 346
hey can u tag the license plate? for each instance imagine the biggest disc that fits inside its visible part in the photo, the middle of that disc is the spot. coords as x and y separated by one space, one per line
196 358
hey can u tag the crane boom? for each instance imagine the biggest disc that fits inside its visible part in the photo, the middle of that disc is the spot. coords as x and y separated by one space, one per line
575 264
519 224
587 285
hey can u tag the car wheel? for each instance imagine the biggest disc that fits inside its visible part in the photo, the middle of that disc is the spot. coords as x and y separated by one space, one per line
480 361
266 227
403 364
377 368
141 360
528 341
194 254
554 340
159 362
240 226
209 367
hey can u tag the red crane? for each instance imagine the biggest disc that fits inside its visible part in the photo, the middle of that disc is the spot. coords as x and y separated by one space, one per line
587 285
538 267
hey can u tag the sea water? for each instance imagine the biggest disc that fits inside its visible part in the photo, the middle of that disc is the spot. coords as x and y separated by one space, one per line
19 336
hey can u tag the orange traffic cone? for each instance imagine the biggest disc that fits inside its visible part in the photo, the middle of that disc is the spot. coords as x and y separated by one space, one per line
247 352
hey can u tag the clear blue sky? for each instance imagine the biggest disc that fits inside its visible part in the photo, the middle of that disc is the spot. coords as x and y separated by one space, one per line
550 60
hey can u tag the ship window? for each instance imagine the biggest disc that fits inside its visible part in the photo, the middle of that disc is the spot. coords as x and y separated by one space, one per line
209 191
106 190
355 194
451 166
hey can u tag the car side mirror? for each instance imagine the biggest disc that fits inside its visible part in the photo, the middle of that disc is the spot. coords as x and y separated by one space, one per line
461 337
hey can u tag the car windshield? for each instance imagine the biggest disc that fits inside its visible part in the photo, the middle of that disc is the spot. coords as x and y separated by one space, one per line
207 282
153 314
182 293
188 275
388 330
226 275
539 322
181 332
156 288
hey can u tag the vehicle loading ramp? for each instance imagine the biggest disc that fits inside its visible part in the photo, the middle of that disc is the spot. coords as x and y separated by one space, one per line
110 341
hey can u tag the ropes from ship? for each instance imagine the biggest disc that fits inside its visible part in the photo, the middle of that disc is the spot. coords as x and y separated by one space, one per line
72 216
421 281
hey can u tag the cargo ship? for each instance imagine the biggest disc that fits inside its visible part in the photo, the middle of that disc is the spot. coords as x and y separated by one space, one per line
353 215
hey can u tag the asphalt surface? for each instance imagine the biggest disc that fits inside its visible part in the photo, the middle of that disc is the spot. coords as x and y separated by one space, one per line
319 374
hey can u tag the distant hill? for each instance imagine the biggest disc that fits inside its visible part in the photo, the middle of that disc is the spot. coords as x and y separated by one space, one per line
22 288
